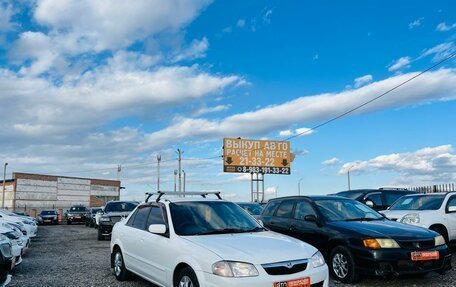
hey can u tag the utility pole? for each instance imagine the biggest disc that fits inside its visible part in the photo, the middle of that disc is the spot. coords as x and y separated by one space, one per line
179 153
183 171
158 171
4 181
175 174
119 169
299 186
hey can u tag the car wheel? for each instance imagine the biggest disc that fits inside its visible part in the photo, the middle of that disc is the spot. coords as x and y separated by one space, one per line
442 231
187 278
68 222
100 235
120 271
342 265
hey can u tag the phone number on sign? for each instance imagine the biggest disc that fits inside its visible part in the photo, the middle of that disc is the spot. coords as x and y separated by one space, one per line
258 169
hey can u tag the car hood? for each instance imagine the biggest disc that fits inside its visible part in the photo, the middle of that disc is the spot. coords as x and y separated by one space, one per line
256 247
398 214
384 229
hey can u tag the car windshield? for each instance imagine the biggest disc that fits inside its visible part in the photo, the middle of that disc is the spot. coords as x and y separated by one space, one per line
418 202
78 209
7 212
120 207
211 217
350 194
95 210
334 209
48 212
252 208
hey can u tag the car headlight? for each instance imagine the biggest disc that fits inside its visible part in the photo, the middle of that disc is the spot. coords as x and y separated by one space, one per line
377 243
318 260
412 218
439 240
105 219
234 269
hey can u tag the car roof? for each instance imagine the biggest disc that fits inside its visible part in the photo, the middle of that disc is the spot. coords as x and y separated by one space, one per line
310 197
432 193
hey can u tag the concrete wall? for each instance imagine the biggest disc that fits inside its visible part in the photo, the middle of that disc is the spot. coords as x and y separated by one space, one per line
40 192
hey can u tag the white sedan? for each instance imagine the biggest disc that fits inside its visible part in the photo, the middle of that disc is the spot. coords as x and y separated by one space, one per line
193 242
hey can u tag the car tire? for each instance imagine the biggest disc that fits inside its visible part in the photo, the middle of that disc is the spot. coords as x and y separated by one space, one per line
100 235
187 278
120 271
442 231
68 222
342 265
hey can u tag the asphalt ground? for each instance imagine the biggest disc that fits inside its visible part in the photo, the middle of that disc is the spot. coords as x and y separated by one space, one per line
71 255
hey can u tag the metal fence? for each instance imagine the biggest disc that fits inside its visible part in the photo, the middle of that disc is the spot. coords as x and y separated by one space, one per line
434 188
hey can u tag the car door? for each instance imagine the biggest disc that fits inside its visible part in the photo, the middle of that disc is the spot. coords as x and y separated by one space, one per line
281 220
451 217
304 228
156 247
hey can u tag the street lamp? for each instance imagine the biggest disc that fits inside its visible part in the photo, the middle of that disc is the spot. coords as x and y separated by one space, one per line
299 185
348 176
158 171
4 180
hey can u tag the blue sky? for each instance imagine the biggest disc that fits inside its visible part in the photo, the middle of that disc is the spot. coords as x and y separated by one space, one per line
88 85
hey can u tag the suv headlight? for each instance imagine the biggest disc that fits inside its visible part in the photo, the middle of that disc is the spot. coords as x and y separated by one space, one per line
377 243
439 240
412 218
318 260
234 269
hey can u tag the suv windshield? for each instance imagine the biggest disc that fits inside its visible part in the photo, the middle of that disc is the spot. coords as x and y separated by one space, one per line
120 207
48 212
346 210
78 209
418 202
252 208
211 217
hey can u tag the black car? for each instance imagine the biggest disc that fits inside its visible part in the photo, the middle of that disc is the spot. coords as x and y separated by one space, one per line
90 220
356 239
377 199
77 213
48 216
113 212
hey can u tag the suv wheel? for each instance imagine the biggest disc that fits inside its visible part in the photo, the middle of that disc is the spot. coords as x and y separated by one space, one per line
187 278
120 271
342 265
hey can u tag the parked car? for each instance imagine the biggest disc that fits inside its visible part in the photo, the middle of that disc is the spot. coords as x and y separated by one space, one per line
16 243
208 242
252 208
113 212
7 260
377 199
48 216
21 213
90 220
77 213
436 211
21 232
27 223
355 239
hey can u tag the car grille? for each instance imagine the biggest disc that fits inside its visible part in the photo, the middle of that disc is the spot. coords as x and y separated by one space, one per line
319 284
286 267
417 244
115 219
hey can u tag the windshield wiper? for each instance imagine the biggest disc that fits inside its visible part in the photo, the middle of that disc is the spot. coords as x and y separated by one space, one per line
255 229
363 219
221 231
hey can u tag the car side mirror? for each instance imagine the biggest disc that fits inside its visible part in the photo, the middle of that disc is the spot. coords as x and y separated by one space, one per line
370 203
311 218
157 229
261 222
452 209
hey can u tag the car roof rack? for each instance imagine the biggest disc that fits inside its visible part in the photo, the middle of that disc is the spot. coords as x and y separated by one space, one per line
161 193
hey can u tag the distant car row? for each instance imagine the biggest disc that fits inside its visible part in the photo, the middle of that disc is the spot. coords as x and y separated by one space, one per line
16 232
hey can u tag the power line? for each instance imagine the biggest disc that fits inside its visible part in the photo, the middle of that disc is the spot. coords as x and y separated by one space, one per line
374 99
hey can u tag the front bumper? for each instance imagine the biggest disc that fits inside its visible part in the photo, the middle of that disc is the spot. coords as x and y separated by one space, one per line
79 219
105 229
387 262
318 278
31 230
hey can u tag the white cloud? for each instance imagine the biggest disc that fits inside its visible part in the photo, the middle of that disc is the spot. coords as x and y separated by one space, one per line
430 164
6 13
240 23
399 64
299 131
207 110
443 27
415 23
331 162
285 133
301 152
196 49
440 51
433 86
362 81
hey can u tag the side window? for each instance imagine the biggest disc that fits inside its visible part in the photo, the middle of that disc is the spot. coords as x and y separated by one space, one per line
285 209
132 219
155 216
391 197
376 198
451 203
303 208
270 208
141 218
